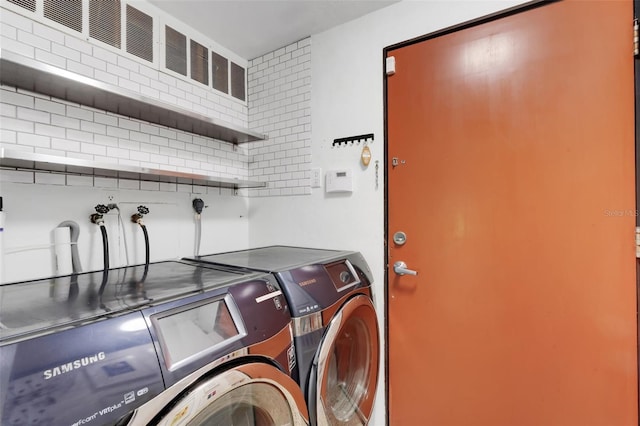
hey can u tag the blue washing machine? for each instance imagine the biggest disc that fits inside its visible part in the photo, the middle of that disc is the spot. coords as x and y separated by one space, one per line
336 332
166 343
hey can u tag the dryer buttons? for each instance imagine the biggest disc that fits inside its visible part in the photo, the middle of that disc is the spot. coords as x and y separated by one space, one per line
277 303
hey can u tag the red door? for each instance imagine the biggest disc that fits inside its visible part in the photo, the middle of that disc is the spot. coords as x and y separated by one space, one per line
511 173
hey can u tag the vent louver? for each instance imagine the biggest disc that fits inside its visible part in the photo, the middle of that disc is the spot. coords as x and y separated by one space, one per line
237 81
220 72
139 34
65 12
26 4
199 63
135 30
176 53
104 21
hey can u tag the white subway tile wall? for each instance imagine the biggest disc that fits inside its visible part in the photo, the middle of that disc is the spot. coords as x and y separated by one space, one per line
54 126
279 91
279 96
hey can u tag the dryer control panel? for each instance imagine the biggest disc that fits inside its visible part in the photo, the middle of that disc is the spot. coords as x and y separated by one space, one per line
200 330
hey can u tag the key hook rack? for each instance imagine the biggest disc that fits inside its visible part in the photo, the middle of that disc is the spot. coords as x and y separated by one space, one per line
352 140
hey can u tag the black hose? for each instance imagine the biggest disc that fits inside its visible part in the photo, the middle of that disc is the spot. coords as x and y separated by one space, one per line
146 250
105 261
105 247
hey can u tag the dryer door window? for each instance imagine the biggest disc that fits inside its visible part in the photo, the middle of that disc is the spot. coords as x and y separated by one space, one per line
249 395
344 375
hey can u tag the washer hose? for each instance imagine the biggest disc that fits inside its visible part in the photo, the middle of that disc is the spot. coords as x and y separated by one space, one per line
98 219
105 247
137 218
105 261
75 257
147 251
75 232
198 205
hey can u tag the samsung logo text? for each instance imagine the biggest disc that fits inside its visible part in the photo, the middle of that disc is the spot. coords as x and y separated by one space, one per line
74 365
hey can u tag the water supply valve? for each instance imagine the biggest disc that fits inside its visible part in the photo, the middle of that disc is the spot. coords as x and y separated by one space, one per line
102 209
97 217
198 205
137 217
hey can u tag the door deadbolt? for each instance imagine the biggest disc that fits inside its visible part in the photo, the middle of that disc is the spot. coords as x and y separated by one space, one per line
399 238
395 162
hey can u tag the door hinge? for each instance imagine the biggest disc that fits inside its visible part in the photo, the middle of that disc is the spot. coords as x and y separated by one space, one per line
636 45
638 242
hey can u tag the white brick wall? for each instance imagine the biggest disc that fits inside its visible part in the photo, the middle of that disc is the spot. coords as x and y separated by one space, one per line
279 92
57 127
279 96
37 123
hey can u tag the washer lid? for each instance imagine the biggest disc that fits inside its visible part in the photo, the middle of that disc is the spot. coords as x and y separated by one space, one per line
274 258
48 304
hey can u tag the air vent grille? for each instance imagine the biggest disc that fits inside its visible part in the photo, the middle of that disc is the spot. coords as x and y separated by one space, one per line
128 26
199 63
176 53
104 21
26 4
237 81
220 72
139 34
65 12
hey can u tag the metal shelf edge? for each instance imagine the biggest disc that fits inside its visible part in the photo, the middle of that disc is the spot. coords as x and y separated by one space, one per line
22 160
26 73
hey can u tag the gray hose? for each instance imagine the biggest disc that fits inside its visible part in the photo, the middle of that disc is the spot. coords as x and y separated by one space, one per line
75 232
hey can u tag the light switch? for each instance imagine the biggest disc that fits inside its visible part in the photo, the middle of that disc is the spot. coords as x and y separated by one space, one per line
316 177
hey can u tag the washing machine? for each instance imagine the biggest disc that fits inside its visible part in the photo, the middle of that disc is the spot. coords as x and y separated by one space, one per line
165 343
336 332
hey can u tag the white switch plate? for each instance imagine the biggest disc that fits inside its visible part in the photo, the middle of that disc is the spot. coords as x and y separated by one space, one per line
316 177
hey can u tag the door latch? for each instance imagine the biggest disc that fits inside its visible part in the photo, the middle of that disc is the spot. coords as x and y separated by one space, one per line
400 268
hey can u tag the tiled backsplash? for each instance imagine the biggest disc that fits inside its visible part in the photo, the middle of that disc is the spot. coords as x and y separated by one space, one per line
279 91
280 106
53 126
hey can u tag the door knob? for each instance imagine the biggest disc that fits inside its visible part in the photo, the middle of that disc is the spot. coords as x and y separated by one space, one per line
400 268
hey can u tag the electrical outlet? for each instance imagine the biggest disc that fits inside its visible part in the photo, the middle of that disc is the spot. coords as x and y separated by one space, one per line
316 177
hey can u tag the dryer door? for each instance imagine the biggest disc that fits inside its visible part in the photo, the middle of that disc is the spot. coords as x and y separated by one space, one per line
344 374
252 394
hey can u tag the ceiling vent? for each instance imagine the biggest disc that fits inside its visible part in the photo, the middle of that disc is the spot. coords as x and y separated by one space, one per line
139 34
26 4
176 53
65 12
104 21
199 63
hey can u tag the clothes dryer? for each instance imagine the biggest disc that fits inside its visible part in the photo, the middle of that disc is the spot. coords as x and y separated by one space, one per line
336 332
165 343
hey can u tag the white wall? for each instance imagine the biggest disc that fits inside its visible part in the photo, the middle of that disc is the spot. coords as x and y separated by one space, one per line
33 211
347 100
